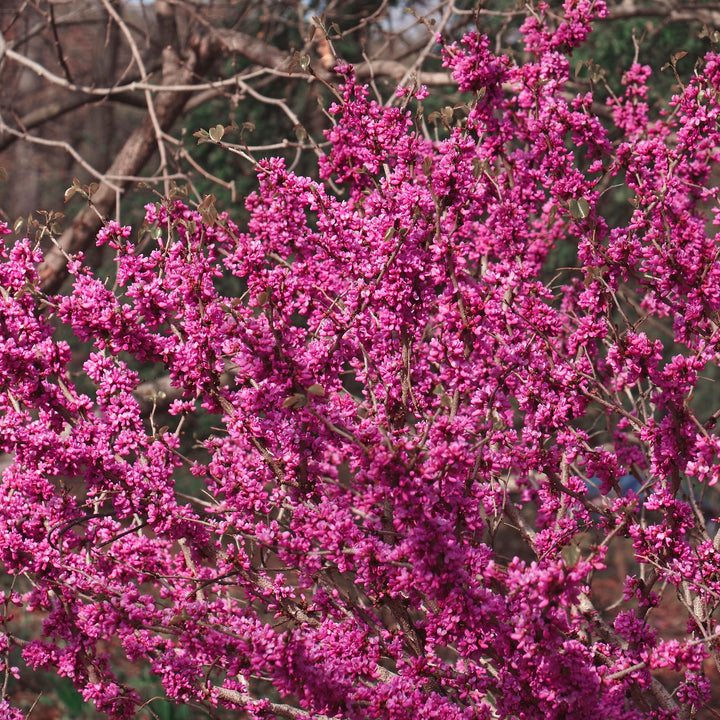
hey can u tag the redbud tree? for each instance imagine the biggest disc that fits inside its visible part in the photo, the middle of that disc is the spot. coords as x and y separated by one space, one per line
400 381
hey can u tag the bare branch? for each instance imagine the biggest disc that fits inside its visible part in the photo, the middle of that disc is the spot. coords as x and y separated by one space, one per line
252 48
130 160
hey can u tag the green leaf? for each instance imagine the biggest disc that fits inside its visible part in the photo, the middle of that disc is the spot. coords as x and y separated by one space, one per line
208 210
317 390
216 133
677 56
202 135
178 192
296 400
579 209
571 555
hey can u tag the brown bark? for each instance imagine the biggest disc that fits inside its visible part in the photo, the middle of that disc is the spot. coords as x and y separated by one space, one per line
252 48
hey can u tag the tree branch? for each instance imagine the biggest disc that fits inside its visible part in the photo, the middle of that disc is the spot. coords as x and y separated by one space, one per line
58 108
133 156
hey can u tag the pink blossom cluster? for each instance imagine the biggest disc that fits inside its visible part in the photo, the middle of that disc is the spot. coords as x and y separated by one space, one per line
395 380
